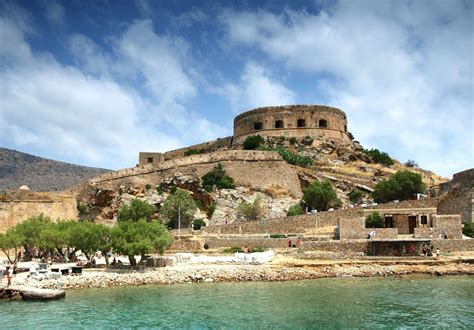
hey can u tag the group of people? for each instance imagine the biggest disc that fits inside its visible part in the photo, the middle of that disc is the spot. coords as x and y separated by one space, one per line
429 251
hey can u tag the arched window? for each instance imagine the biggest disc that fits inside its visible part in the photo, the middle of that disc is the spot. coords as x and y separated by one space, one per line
258 125
301 123
279 124
323 123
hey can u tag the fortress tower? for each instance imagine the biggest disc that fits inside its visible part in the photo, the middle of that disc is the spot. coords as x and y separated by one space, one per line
292 121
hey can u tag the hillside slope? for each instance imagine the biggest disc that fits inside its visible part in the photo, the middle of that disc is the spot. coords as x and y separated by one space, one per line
40 174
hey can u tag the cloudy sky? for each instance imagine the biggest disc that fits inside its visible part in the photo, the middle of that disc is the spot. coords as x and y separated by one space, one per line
95 82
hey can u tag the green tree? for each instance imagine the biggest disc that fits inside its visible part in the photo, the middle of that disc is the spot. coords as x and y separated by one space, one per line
295 210
89 237
253 142
11 240
30 232
321 196
140 237
217 177
251 211
179 207
374 220
355 196
403 185
136 210
379 157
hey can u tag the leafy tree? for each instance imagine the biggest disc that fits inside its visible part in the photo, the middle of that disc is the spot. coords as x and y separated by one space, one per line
148 186
295 210
253 142
30 231
374 220
57 237
379 157
90 237
217 177
251 211
140 237
136 210
321 196
403 185
179 204
292 140
468 229
355 196
11 240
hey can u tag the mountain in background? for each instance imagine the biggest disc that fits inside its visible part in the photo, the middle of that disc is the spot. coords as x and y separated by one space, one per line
40 174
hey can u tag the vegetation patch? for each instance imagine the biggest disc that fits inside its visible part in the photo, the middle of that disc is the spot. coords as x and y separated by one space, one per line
253 142
190 152
379 157
374 220
321 196
218 178
403 185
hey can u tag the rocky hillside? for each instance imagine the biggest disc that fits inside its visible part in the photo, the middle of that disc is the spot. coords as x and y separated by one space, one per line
277 184
40 174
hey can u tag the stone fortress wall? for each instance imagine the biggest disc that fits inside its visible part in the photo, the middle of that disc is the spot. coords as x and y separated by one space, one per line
292 121
17 206
457 195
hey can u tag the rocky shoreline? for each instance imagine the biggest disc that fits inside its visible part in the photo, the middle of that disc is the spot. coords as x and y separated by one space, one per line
239 273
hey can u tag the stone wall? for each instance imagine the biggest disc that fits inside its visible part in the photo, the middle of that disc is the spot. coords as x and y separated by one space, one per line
288 225
28 204
145 158
206 147
283 121
257 170
457 196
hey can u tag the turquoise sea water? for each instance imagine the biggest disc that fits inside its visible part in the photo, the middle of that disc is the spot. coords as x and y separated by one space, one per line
326 303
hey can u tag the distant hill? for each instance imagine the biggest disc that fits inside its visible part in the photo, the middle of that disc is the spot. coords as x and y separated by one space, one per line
40 174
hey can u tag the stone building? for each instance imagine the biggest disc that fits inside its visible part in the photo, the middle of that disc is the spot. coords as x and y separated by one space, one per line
292 121
289 121
457 195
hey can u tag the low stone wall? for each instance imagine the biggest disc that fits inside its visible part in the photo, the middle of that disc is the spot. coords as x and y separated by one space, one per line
450 245
206 146
352 228
288 225
226 242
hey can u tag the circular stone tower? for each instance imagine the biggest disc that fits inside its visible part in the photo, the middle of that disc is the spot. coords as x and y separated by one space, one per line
292 121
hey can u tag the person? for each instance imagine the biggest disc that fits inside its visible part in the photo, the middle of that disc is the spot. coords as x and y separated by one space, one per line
445 233
438 253
114 262
372 233
404 250
32 269
9 275
431 232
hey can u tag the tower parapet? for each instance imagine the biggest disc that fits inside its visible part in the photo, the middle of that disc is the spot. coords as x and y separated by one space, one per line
292 121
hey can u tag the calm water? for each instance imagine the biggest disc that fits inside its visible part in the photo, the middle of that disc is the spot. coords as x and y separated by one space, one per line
326 303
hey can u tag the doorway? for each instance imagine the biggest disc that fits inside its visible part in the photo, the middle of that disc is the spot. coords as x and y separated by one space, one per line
411 224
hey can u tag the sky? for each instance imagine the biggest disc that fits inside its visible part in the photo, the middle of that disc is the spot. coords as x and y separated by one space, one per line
95 82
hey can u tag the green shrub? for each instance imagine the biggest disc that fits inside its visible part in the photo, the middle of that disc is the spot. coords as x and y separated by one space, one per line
379 157
198 223
173 189
210 210
82 209
321 196
295 210
282 138
258 249
160 189
403 185
251 211
277 236
468 229
289 156
292 140
350 135
355 196
217 177
233 249
148 186
253 142
374 220
307 140
190 152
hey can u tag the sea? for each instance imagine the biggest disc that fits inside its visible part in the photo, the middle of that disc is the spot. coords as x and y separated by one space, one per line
333 303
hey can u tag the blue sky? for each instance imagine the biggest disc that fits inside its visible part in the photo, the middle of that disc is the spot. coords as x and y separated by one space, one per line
95 82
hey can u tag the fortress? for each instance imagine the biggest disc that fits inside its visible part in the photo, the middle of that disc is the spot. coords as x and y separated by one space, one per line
290 121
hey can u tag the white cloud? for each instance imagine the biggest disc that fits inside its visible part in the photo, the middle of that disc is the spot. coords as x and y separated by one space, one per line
256 88
401 70
91 113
